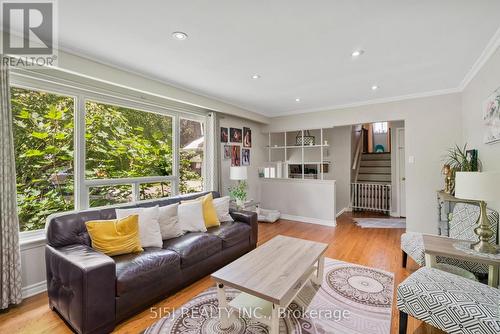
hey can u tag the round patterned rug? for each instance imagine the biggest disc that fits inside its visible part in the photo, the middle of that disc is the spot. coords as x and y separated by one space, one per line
351 299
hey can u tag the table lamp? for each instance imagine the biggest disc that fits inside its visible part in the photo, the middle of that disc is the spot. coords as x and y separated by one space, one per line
479 188
238 173
239 193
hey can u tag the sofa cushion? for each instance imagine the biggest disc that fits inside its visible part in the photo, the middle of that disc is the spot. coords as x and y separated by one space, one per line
194 247
231 233
136 271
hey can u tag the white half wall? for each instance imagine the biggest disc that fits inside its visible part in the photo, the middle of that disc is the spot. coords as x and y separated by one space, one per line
311 201
432 125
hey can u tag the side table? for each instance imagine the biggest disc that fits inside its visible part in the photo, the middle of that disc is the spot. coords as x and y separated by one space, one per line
443 246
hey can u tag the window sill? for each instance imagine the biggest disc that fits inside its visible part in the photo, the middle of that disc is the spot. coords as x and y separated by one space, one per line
32 239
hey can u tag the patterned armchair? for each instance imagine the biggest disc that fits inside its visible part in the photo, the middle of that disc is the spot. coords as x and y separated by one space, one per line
462 224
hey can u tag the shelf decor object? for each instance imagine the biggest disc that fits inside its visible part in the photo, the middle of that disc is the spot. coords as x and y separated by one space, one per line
479 188
306 139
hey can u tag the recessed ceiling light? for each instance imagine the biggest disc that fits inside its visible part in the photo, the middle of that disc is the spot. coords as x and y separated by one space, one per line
255 76
297 99
179 35
357 53
374 87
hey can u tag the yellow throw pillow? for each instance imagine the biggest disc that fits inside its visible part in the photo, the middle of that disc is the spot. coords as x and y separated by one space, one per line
209 212
115 236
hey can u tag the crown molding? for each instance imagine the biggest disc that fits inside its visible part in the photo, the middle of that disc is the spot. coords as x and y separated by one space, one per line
488 51
371 102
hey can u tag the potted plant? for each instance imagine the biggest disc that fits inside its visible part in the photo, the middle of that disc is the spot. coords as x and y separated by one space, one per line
459 160
239 193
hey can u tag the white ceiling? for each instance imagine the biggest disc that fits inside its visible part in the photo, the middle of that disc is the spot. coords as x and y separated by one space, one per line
300 48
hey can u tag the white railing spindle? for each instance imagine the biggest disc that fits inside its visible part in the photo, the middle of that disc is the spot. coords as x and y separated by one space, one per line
371 196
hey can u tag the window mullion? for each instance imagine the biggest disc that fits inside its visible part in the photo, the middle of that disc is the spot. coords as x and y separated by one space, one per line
81 190
176 155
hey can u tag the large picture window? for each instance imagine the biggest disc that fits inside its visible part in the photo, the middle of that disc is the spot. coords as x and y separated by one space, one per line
80 150
192 140
122 142
43 140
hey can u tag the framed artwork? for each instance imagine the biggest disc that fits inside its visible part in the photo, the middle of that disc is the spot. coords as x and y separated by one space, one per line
245 157
491 118
224 135
227 152
235 155
235 135
247 137
471 156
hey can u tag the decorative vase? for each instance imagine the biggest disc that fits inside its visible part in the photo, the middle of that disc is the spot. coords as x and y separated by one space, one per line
240 202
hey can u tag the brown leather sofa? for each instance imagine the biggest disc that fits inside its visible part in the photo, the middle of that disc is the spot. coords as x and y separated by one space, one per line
92 292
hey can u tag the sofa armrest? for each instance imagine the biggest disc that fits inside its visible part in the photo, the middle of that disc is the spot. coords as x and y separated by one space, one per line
81 286
250 218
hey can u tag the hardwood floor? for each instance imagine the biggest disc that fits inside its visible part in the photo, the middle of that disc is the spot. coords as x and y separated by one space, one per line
378 248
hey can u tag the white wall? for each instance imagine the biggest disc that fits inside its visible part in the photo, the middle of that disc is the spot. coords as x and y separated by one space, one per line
339 139
438 117
484 83
33 268
258 156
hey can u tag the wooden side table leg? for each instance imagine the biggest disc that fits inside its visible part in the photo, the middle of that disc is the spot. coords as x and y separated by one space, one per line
275 320
430 260
318 277
493 276
224 312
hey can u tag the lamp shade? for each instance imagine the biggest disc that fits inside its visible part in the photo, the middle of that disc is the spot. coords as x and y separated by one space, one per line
480 186
238 173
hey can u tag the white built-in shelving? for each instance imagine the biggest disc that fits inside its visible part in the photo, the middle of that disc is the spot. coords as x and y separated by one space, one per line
302 161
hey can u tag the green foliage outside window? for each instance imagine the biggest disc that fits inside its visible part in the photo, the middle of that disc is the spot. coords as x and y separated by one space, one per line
120 142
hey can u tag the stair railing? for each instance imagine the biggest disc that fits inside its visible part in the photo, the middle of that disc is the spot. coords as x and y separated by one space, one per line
371 196
357 156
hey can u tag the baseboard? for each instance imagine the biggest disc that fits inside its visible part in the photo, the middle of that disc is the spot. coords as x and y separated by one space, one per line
342 211
394 214
325 222
34 289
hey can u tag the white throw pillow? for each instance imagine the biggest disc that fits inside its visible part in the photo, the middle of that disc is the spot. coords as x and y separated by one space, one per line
149 227
169 226
191 217
222 207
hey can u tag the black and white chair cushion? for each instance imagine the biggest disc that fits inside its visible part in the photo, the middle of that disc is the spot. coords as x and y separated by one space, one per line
462 224
412 244
449 302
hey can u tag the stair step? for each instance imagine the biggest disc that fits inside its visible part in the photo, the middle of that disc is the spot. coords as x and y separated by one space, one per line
374 182
374 177
375 170
376 156
375 163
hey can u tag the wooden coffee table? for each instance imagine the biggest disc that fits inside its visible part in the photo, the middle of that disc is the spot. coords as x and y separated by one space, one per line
269 278
443 246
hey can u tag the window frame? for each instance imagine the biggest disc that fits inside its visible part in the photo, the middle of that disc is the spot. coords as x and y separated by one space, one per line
80 95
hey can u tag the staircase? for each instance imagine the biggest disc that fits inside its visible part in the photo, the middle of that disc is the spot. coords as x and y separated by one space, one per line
375 168
371 189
